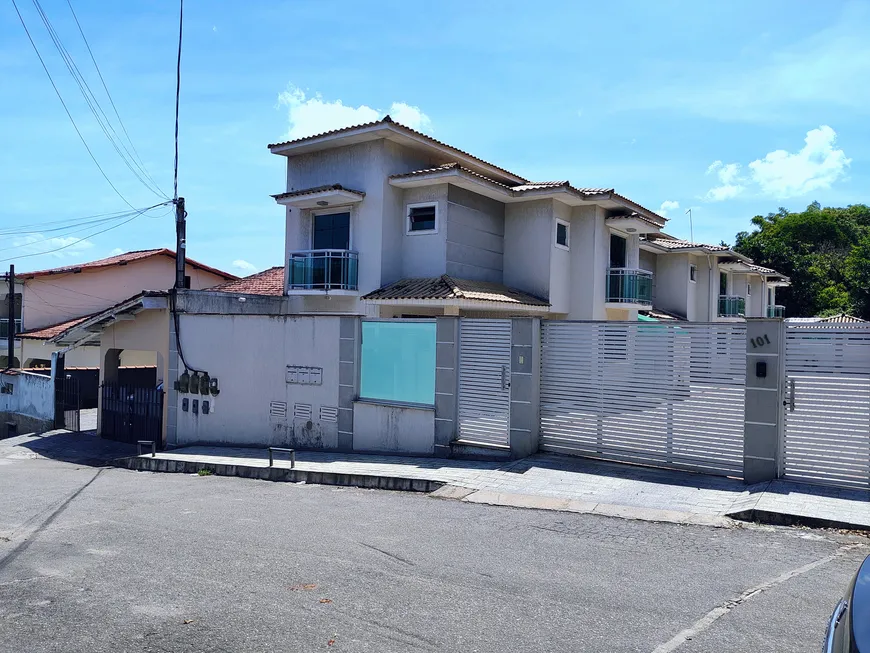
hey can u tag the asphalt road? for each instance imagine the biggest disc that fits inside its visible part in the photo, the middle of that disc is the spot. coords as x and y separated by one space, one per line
98 559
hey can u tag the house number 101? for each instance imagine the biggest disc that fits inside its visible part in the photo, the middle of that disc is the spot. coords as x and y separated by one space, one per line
760 341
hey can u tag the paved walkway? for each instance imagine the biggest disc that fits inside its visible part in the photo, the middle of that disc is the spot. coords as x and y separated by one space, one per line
576 484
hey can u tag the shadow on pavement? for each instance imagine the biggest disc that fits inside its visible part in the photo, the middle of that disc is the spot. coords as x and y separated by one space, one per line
84 448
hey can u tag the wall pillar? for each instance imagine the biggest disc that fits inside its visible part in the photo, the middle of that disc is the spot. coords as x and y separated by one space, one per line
632 251
170 376
765 372
348 362
525 384
446 383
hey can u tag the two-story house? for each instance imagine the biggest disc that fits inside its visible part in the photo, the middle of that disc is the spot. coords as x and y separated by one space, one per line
708 283
385 221
54 300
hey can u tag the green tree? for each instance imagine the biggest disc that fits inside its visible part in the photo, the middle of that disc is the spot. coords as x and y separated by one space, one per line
825 251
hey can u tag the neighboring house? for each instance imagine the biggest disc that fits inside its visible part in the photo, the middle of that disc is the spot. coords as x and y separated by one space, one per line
55 300
708 283
385 221
839 318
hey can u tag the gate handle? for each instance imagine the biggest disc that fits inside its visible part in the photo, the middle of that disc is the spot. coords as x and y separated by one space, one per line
789 401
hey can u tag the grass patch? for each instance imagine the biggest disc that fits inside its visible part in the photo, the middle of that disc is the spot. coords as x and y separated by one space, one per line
205 472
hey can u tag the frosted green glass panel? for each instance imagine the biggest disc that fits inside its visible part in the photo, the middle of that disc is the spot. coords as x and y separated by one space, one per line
398 362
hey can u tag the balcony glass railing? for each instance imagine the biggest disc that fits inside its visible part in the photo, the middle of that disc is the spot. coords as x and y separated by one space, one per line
322 269
776 310
629 286
730 306
4 327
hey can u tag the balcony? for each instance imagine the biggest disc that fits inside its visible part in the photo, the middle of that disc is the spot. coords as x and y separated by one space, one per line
4 327
317 271
776 310
628 288
731 306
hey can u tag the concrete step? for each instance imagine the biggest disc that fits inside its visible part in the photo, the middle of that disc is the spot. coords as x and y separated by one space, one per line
468 450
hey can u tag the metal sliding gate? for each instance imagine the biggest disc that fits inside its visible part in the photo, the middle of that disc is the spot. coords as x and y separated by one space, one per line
130 414
484 381
827 404
67 404
651 393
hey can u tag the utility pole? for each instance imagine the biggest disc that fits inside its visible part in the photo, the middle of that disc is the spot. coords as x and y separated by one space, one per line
10 322
691 227
180 242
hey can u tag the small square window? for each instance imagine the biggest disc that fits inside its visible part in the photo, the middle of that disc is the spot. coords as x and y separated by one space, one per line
693 272
562 234
422 218
748 289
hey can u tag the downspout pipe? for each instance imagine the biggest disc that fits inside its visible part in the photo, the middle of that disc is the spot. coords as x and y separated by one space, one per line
711 303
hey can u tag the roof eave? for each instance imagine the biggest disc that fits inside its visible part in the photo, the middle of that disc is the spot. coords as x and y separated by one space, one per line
460 302
149 299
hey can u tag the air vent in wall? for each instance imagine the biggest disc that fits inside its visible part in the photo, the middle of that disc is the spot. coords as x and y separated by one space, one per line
328 414
278 409
302 411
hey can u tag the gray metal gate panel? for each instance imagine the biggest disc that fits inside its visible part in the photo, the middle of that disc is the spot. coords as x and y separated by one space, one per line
484 381
827 404
661 394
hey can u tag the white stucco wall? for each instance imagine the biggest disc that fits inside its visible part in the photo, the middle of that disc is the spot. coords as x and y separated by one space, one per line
249 355
589 262
475 236
672 288
396 429
703 306
59 297
32 395
527 251
85 356
647 261
424 254
560 261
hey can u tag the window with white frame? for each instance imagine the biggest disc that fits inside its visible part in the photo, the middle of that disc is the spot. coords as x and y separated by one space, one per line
563 234
422 218
693 273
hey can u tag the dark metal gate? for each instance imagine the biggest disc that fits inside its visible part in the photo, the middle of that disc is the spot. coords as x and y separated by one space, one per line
67 404
130 414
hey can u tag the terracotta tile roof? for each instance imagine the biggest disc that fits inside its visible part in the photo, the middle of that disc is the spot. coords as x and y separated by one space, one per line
392 123
842 318
267 282
317 189
636 216
123 259
676 243
446 287
53 329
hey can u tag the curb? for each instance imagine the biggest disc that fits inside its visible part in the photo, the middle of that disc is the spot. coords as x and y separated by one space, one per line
279 474
536 502
787 519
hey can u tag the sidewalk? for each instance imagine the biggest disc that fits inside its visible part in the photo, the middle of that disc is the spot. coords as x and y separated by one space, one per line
545 482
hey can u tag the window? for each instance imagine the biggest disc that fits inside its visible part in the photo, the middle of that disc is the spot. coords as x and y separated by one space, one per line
562 234
398 362
723 283
748 289
331 231
187 281
693 273
422 218
617 251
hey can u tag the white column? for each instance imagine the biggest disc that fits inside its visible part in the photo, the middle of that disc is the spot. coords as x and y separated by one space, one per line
632 251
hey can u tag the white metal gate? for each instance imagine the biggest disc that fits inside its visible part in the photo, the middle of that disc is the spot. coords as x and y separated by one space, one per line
484 381
827 404
662 394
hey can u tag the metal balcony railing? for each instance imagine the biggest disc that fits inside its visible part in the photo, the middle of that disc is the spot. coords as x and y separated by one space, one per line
776 310
4 327
731 306
629 286
322 269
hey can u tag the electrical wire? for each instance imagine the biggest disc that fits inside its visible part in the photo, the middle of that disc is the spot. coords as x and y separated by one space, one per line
91 100
96 233
112 101
66 109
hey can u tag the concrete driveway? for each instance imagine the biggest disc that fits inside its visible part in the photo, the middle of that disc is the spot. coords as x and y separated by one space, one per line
104 559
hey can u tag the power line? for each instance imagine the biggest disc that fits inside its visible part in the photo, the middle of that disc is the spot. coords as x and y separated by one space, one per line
69 115
40 227
96 233
92 102
109 95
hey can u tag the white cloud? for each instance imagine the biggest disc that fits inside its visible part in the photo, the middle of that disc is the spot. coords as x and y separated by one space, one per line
783 175
57 247
816 166
729 178
116 251
668 205
314 115
241 264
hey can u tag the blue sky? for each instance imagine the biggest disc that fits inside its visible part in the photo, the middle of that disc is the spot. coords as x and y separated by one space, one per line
732 109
